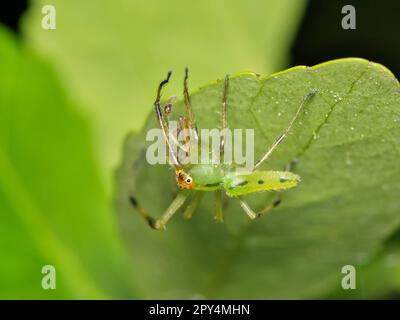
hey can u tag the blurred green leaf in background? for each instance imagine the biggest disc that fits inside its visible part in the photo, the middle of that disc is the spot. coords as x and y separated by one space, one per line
53 205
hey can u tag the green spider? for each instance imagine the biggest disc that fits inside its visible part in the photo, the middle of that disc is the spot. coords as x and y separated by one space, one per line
217 177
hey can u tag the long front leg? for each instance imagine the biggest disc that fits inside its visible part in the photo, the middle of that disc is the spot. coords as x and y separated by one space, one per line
160 224
164 123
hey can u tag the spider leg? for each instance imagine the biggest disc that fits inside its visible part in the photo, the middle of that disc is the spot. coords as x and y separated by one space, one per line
224 118
291 165
253 215
164 123
284 134
167 108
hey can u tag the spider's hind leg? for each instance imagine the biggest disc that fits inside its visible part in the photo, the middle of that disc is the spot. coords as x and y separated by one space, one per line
253 215
290 166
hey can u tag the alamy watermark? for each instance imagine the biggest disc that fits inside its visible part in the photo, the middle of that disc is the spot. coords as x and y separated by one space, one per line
208 146
49 19
349 280
49 278
349 18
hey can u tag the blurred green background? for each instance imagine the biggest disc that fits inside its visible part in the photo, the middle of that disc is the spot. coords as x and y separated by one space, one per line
69 96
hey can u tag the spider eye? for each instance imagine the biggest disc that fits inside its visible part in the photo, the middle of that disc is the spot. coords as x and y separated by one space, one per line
188 180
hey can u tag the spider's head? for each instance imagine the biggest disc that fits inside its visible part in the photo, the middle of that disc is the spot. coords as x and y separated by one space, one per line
183 180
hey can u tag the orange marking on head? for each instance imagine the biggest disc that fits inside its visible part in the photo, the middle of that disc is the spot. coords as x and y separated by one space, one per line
183 180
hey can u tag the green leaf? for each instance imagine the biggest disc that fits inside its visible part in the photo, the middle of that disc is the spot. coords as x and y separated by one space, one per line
341 213
107 52
54 209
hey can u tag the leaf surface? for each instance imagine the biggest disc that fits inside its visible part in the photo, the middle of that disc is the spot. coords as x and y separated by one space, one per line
347 144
